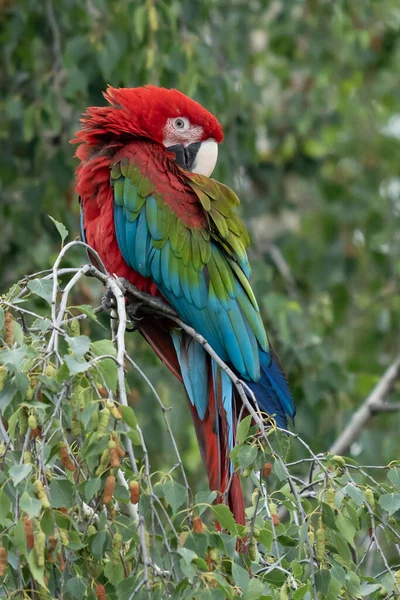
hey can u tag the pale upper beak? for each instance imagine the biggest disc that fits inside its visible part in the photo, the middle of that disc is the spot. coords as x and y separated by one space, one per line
198 157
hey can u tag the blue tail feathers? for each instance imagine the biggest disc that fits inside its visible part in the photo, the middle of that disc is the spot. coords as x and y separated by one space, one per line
272 390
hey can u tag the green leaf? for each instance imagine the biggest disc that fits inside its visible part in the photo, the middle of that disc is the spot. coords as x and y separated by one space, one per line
75 541
37 572
2 316
301 592
353 584
42 288
174 493
279 469
91 488
246 456
19 472
108 369
243 429
114 573
86 414
241 578
61 491
32 506
21 382
76 586
129 416
204 498
342 547
19 537
223 586
79 345
281 442
134 436
339 573
62 230
186 554
225 518
124 589
334 588
214 593
368 588
394 477
47 522
255 589
390 502
266 538
103 347
97 543
13 357
355 493
328 517
12 423
322 580
75 366
87 310
345 527
296 568
7 394
5 507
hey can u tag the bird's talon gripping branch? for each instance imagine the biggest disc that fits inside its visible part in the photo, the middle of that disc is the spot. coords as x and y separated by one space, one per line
108 302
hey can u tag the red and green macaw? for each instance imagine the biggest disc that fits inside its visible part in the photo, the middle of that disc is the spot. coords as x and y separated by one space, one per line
154 215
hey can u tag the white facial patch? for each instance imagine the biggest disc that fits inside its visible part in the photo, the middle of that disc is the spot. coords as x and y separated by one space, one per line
187 135
206 158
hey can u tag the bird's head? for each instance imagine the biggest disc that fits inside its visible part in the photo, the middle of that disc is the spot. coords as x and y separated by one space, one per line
168 117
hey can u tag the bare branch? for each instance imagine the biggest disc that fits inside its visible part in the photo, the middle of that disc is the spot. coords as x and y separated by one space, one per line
374 403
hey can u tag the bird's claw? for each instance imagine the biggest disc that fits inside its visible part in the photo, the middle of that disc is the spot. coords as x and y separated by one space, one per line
108 302
136 308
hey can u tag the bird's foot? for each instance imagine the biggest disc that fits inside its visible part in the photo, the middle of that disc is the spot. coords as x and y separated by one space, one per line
108 303
142 302
138 304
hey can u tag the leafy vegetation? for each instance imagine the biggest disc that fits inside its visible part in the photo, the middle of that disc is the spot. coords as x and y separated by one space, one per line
83 514
307 93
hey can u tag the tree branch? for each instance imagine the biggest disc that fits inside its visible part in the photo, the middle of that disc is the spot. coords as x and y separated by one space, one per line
373 404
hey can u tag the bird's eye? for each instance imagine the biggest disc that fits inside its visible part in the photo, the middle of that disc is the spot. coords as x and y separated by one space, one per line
181 123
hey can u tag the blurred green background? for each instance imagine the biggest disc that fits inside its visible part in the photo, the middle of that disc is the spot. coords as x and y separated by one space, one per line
307 92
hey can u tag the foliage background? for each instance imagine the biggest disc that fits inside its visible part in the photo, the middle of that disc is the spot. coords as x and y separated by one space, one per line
307 93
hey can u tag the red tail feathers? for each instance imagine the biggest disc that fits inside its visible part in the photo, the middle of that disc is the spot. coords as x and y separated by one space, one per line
212 430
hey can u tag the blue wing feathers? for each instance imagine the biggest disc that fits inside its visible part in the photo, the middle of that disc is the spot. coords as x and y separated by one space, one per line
220 378
142 245
228 319
192 360
272 390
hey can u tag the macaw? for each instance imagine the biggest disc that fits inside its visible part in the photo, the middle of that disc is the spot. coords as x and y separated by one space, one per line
156 218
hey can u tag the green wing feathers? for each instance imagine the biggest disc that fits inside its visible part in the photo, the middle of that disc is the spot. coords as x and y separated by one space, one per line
202 271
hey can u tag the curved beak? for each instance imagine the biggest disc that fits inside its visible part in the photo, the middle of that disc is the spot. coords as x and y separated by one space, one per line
198 157
185 156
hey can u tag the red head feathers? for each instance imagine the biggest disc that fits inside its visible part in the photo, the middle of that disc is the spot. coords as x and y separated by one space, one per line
144 112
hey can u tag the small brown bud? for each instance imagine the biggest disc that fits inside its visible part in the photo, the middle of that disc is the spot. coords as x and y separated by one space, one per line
134 489
267 469
101 592
61 561
197 525
114 458
109 489
8 329
3 561
65 457
28 528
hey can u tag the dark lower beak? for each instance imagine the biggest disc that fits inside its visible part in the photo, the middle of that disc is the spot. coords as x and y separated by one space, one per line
185 156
